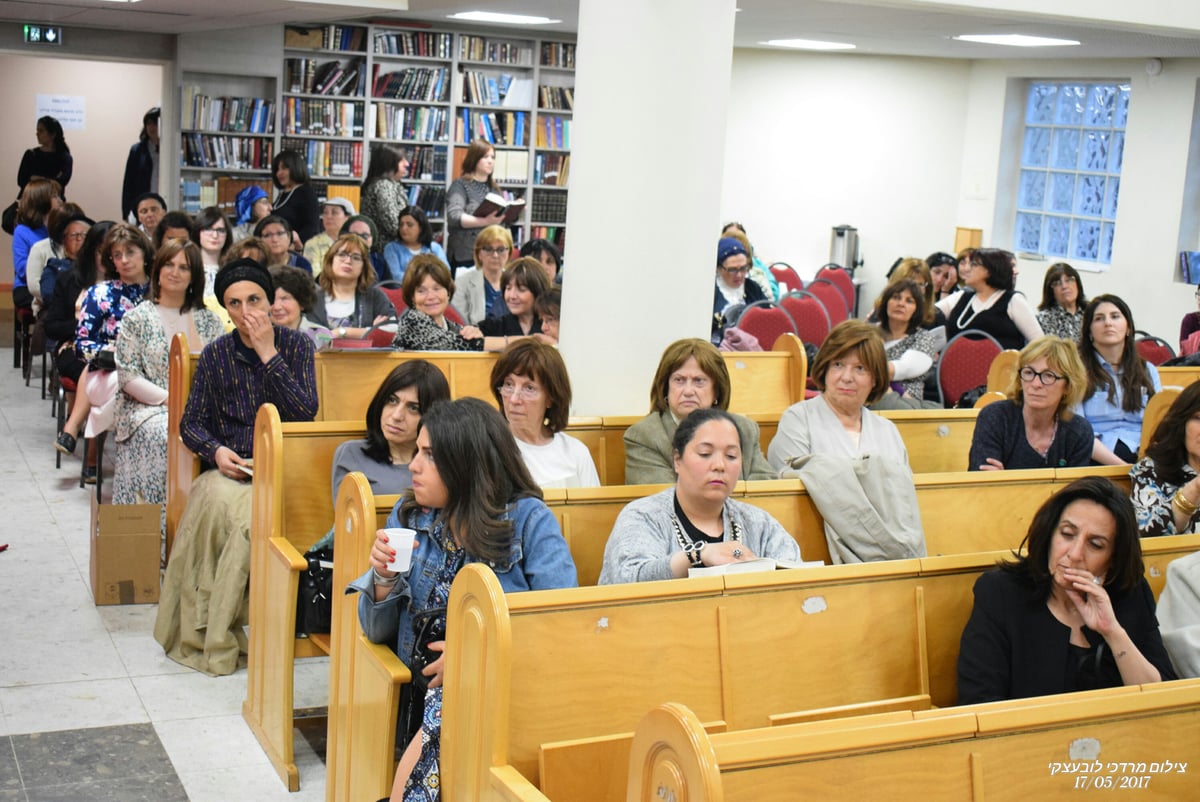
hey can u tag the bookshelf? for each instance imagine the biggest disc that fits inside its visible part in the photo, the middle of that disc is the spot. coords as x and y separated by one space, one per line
227 135
342 88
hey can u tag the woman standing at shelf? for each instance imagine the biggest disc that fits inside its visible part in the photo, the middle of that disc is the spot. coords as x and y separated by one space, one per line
467 192
296 201
383 196
415 237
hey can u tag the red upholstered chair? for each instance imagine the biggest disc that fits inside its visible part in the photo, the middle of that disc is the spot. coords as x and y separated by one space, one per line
766 321
453 316
380 338
809 315
839 277
1154 350
394 295
831 296
964 364
785 275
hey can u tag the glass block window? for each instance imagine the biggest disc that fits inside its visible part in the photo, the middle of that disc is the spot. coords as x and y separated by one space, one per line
1071 169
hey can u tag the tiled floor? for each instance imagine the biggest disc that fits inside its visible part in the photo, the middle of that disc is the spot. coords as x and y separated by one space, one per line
90 708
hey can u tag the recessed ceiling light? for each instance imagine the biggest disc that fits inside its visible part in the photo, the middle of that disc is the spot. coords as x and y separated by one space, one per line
808 44
508 19
1014 40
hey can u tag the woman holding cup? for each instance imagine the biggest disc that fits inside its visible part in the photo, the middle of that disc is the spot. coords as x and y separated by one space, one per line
472 500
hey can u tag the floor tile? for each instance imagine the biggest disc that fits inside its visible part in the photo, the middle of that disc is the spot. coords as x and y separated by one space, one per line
143 657
128 789
216 742
258 783
10 777
90 755
71 705
42 663
191 695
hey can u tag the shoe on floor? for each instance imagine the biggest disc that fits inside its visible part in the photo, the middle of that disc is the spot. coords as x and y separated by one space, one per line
89 475
65 443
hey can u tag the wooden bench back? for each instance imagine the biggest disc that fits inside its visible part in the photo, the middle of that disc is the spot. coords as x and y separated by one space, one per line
1178 376
1029 750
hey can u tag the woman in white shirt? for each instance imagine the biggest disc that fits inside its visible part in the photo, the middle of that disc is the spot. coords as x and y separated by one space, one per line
989 303
530 383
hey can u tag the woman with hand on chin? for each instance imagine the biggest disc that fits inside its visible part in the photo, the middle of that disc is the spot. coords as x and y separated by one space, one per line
1074 613
695 522
530 383
472 500
1035 426
203 610
691 375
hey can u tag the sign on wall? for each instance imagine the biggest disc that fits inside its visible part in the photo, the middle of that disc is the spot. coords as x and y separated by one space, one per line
69 110
43 35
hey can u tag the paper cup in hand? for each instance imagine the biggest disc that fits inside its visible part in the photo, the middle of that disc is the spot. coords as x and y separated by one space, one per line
400 540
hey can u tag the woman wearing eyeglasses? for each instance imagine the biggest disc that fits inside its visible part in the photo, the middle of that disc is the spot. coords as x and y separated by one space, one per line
1034 427
691 375
479 294
530 383
349 303
732 289
210 233
1061 311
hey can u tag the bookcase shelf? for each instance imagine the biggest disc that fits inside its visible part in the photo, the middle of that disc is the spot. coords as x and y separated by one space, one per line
410 88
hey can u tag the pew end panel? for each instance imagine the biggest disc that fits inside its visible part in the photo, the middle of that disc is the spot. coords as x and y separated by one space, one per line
671 757
182 465
1158 552
1155 411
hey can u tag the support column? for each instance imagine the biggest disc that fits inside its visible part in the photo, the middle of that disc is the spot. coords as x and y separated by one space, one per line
648 138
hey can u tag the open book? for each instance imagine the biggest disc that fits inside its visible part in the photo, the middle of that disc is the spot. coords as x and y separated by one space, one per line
749 566
493 203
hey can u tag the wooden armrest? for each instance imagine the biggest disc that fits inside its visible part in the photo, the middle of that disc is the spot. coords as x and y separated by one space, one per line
387 661
287 554
512 786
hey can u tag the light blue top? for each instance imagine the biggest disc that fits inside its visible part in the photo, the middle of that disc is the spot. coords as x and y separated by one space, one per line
398 256
538 560
1111 423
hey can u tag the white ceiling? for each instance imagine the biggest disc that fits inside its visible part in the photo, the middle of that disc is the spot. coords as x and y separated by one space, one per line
876 26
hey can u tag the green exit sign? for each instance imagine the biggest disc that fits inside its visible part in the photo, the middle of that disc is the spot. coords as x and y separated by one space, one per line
43 35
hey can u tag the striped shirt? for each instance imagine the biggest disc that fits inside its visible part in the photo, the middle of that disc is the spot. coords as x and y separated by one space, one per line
231 383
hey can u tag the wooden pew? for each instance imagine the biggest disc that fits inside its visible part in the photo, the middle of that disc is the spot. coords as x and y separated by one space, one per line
1178 376
1155 411
937 440
1033 749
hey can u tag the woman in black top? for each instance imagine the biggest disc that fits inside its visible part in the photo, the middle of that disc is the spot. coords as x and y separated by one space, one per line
296 201
50 159
521 283
989 303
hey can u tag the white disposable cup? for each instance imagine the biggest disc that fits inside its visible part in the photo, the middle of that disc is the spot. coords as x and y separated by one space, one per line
402 541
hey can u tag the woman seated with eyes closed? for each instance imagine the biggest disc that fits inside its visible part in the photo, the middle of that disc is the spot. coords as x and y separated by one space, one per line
695 522
1035 427
1073 613
691 375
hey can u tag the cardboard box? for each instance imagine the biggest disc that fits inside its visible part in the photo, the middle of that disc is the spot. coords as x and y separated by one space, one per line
303 37
125 553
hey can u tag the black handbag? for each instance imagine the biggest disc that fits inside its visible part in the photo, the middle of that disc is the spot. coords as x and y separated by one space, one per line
9 221
430 626
314 597
105 359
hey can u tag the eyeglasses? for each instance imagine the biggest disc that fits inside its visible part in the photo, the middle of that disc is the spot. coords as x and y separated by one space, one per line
77 235
500 251
274 234
735 271
698 382
353 258
215 230
1046 377
1062 281
526 392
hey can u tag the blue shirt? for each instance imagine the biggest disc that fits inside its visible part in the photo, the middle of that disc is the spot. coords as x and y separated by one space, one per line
1109 421
538 560
398 256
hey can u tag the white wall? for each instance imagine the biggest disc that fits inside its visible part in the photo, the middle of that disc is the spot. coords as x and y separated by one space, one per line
815 141
908 149
116 94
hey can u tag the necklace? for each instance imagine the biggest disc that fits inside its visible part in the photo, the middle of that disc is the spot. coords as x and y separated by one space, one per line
685 542
284 197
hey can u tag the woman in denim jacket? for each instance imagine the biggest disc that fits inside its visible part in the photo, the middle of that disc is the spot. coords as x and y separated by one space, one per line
472 500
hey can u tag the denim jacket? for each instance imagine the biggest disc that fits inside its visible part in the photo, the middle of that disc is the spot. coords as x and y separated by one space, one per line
538 560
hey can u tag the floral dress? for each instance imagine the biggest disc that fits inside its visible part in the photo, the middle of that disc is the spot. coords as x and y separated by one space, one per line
104 305
1152 500
424 784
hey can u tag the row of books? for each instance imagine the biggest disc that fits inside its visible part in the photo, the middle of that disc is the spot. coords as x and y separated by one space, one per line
322 117
344 37
245 115
429 84
556 97
483 89
556 234
413 43
558 54
328 159
500 128
512 166
549 207
222 192
428 163
226 152
477 48
429 199
307 76
553 132
429 123
551 169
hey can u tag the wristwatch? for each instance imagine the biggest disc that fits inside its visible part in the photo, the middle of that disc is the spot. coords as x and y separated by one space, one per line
341 332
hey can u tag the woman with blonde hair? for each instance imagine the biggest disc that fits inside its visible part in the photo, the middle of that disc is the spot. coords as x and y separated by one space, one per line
1034 427
479 293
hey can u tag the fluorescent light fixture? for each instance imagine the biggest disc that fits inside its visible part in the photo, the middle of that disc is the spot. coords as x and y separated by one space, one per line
506 19
808 44
1014 40
122 1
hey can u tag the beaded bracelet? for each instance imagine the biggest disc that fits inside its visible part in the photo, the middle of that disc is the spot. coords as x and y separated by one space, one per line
693 554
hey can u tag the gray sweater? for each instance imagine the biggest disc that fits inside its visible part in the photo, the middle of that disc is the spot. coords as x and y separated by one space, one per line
643 538
463 197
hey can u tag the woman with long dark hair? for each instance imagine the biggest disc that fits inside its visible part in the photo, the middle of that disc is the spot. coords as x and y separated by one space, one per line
472 500
50 159
383 196
1119 381
296 202
463 198
1166 482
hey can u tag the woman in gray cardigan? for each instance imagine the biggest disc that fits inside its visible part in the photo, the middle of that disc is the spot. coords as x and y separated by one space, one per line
691 375
695 523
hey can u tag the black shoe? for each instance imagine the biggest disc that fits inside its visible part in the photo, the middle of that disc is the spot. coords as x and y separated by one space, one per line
89 475
65 443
